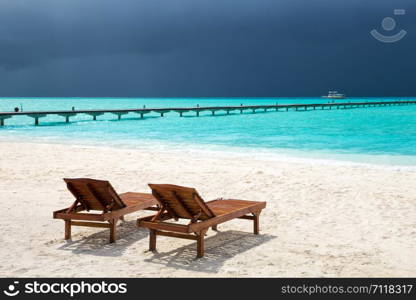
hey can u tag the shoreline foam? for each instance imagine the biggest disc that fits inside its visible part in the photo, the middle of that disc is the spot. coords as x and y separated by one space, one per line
265 154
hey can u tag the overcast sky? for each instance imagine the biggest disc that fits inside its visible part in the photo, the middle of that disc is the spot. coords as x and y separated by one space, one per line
204 48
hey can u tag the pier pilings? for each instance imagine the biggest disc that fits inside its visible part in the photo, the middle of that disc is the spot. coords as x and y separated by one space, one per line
119 114
94 115
141 113
2 118
36 115
67 116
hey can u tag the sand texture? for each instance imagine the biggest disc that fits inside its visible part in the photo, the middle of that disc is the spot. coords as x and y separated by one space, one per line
322 220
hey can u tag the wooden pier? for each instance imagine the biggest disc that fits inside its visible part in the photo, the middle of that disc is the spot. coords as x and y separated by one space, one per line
67 114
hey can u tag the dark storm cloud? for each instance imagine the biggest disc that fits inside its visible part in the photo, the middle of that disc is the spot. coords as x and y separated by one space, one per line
202 48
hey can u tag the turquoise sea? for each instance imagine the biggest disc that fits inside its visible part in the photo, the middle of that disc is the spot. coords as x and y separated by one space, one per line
379 135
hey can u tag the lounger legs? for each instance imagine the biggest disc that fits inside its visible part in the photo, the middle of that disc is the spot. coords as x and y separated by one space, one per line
201 243
256 222
112 224
152 240
200 246
113 234
67 229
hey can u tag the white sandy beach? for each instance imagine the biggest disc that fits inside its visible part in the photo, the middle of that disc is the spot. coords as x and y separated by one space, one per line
321 220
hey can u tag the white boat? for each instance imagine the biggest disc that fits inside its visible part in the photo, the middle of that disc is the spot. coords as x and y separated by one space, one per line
334 95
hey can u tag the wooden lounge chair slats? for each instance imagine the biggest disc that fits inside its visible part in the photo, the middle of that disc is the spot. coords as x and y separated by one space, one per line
96 194
78 197
137 199
203 206
186 203
220 207
181 205
183 201
99 195
166 205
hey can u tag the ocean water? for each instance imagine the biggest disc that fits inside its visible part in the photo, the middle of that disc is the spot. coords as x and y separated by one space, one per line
379 135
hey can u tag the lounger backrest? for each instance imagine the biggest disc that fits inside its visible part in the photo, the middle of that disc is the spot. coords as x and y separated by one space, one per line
94 194
182 202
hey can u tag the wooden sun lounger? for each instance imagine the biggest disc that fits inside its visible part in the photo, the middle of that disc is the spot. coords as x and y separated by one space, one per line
99 195
177 202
